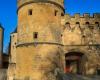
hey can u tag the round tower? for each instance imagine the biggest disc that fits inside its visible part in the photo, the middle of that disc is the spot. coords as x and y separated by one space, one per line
35 17
39 39
1 45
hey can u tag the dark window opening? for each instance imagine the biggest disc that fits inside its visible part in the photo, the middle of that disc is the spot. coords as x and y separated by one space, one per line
15 43
67 23
97 23
87 23
62 14
77 23
56 12
35 35
83 36
98 72
30 12
61 35
5 65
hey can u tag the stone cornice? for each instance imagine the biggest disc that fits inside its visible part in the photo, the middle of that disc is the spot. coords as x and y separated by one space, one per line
37 43
51 43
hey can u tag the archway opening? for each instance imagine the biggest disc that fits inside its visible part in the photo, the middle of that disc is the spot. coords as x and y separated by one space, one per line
74 63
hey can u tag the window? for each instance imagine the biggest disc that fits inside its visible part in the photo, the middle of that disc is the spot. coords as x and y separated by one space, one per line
15 43
77 23
35 35
56 12
87 23
67 23
97 23
98 71
30 12
62 14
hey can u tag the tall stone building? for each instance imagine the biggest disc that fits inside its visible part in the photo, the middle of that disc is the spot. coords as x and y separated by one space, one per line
49 42
1 45
3 57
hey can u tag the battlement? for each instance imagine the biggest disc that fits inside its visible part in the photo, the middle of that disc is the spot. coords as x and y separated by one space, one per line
24 2
83 19
85 15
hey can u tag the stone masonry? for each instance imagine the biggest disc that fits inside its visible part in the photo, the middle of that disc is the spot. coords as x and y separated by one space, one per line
48 42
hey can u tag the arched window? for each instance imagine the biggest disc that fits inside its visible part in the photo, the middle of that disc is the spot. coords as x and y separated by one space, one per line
67 23
97 23
87 23
56 12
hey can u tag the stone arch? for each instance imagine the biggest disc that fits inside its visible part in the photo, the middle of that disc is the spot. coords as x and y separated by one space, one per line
76 62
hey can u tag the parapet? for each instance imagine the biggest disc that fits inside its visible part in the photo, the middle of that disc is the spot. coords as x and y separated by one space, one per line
82 19
24 2
96 15
85 15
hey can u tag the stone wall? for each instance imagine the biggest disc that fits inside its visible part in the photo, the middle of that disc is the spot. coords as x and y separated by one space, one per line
3 74
45 35
1 45
81 30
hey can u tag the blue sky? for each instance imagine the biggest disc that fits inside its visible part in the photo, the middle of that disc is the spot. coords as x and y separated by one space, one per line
8 15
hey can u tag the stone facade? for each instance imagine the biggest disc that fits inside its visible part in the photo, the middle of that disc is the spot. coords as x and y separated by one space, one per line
12 58
1 45
48 42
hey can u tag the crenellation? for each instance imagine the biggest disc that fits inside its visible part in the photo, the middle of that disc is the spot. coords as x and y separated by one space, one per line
82 19
96 15
77 15
86 15
67 16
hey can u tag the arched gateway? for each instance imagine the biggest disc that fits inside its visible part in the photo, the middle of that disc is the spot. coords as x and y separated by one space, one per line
75 62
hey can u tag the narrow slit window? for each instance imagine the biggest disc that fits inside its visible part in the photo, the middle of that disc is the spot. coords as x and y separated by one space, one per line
35 35
30 12
62 14
56 12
